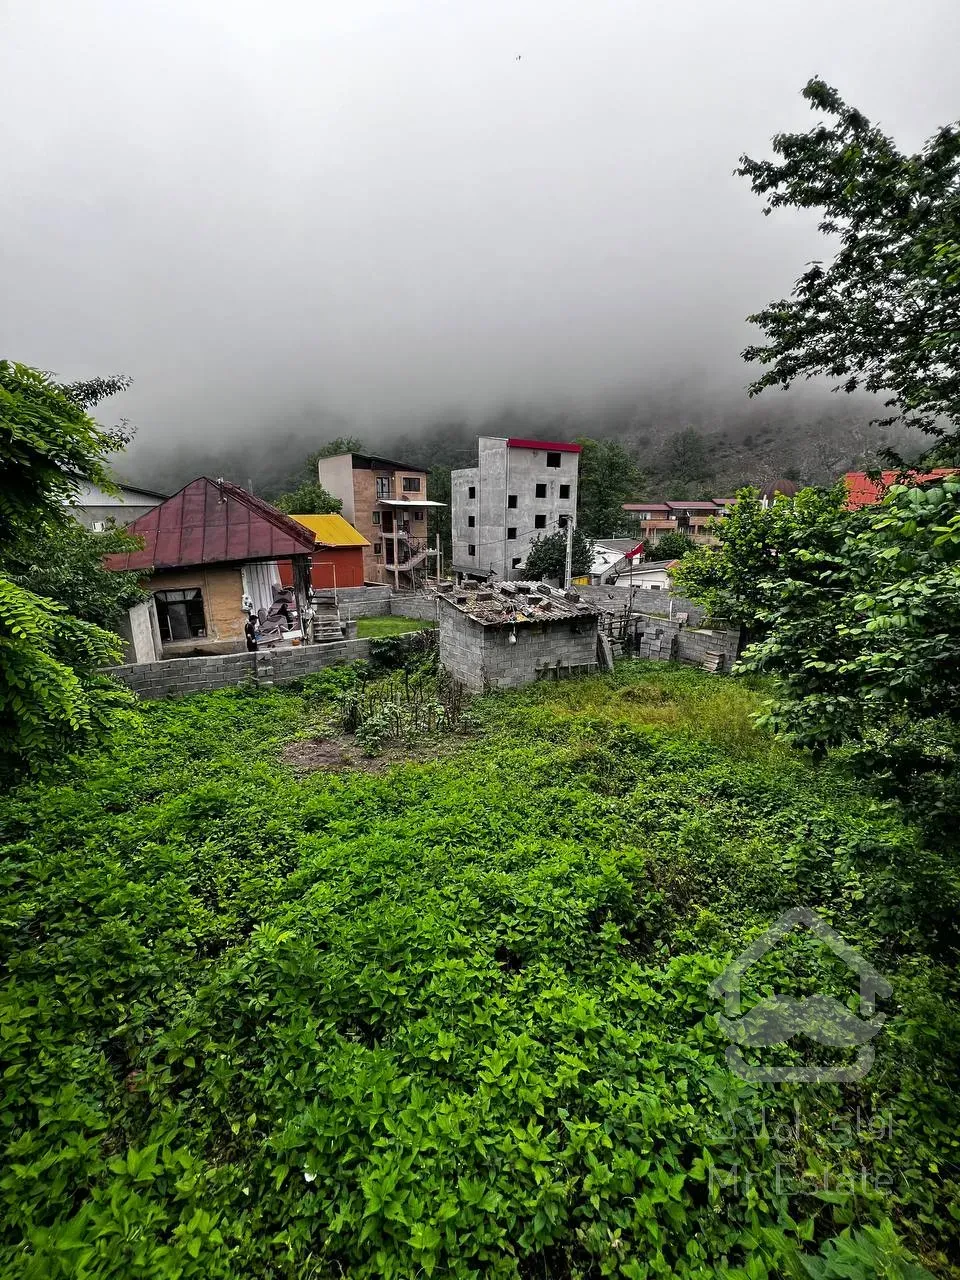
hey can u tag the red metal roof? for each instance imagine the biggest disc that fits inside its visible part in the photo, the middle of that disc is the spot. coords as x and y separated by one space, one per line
213 522
691 506
645 506
863 492
516 443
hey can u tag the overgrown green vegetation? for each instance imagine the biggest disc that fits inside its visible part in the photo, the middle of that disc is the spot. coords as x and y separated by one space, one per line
375 628
453 1019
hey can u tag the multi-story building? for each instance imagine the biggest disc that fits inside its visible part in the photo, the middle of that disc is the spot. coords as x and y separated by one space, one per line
519 491
387 503
654 519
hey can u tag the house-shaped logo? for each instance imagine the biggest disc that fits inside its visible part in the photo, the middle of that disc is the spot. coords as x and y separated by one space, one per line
778 1018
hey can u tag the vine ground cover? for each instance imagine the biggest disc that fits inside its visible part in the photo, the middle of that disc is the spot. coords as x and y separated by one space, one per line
452 1019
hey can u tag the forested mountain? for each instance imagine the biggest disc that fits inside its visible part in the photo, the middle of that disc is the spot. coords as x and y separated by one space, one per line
684 450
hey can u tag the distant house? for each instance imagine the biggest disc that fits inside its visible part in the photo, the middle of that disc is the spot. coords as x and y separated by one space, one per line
652 575
94 507
612 558
692 518
205 549
337 560
508 634
862 491
386 501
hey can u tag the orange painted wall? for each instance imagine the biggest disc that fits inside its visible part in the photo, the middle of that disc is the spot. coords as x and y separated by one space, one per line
346 561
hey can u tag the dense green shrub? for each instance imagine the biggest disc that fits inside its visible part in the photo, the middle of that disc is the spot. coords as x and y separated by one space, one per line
453 1019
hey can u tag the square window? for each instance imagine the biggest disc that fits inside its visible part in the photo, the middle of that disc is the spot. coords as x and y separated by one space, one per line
418 515
376 517
511 534
471 549
515 562
541 491
411 484
377 548
564 491
539 522
511 499
563 521
471 522
553 459
384 486
180 614
472 491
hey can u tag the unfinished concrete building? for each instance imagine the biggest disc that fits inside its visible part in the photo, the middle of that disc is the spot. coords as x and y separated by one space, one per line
512 633
519 491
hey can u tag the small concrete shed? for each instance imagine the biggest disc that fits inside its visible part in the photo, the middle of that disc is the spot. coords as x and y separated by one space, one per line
506 634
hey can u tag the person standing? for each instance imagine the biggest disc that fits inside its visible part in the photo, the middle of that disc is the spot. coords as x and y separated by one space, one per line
250 633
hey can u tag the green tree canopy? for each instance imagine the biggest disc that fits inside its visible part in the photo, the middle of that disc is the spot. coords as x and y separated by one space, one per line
861 616
884 314
609 477
672 545
51 696
64 561
754 543
548 556
49 445
308 499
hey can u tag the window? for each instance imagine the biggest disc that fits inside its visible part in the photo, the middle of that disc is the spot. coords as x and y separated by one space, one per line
539 522
472 491
511 499
563 521
553 459
471 521
378 548
515 562
541 490
411 484
384 487
180 614
471 549
376 517
511 534
418 515
564 491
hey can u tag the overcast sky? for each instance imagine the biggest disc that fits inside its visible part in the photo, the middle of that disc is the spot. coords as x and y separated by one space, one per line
401 207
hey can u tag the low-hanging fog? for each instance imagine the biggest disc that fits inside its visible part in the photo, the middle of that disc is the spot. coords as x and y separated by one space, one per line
321 216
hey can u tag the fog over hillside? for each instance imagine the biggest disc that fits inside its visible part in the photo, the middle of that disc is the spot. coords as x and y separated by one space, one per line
389 215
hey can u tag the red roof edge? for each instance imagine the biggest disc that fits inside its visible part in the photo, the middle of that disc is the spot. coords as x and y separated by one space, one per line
515 442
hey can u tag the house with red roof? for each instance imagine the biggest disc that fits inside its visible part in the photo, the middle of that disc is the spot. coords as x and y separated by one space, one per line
864 490
209 553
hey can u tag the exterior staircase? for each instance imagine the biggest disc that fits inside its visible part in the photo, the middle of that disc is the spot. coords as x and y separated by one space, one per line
326 626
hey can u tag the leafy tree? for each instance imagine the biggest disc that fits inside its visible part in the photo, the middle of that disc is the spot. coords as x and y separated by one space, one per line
64 561
884 315
672 545
685 464
309 499
548 556
609 477
862 623
754 543
51 697
49 445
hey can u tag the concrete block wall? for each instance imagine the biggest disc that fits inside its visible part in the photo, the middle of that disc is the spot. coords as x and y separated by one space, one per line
178 676
661 639
414 604
359 602
483 658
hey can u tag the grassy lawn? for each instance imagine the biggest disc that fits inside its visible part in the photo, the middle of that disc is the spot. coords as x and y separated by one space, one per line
375 628
453 1018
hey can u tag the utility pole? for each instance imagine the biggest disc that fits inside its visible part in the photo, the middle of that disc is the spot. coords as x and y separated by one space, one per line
568 567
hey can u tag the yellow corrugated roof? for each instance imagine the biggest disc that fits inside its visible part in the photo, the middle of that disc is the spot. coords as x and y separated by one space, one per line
334 531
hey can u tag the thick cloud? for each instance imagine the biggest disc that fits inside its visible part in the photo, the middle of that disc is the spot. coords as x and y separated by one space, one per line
393 208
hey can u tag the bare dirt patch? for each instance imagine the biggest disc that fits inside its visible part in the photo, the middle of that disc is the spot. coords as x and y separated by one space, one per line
336 754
